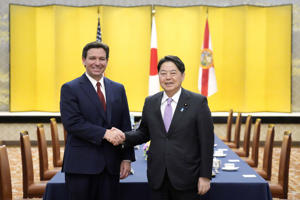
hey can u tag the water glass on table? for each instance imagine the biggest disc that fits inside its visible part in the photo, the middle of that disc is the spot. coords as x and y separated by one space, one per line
216 164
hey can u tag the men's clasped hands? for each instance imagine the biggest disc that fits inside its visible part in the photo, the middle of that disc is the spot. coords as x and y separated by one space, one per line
114 136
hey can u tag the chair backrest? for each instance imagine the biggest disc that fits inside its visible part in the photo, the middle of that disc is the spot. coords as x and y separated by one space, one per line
237 130
27 164
284 162
255 142
5 178
42 147
55 142
229 124
268 151
247 133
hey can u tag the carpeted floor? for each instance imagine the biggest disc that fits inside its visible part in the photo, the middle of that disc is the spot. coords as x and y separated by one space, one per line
16 169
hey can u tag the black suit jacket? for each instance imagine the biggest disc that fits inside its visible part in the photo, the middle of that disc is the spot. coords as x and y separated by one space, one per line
84 119
186 150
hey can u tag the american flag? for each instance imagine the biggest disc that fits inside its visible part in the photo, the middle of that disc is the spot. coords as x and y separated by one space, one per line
99 37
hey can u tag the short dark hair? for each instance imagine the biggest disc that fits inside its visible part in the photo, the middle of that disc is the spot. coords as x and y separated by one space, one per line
96 45
174 59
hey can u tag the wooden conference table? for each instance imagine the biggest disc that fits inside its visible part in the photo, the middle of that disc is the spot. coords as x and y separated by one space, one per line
243 183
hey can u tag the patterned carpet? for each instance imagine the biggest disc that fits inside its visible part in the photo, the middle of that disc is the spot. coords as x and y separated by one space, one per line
16 169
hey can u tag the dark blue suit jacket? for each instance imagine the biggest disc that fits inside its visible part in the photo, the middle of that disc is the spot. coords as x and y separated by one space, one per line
84 119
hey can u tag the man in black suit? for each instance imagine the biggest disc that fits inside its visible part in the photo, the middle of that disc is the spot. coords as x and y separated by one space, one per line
181 149
90 106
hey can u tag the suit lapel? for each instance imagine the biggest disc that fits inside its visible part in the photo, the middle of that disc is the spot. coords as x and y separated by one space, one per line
157 112
109 99
181 107
91 93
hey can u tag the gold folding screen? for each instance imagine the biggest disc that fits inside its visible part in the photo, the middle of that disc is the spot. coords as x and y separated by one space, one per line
251 46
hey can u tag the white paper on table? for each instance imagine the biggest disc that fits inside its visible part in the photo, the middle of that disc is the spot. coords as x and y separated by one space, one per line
223 149
249 175
233 160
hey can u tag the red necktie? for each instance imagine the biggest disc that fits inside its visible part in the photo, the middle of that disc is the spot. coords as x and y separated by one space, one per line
101 96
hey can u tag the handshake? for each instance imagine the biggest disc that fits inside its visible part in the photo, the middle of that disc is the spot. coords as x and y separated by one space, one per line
114 136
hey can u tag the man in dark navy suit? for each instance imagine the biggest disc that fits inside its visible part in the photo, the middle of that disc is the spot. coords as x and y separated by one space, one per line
90 106
178 122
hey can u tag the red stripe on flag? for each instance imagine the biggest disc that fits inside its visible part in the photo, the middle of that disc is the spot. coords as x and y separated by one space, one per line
153 62
206 36
204 88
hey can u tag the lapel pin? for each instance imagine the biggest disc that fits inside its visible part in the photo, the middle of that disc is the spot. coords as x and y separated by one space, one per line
185 106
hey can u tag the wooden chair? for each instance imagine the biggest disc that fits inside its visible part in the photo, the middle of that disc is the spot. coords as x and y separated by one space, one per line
236 143
5 178
266 170
45 172
228 129
280 190
244 152
253 160
30 188
57 161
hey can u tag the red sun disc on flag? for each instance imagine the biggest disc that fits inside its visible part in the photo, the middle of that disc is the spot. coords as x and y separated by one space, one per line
206 58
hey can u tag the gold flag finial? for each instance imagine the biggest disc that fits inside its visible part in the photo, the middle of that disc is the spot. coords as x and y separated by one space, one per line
153 9
98 11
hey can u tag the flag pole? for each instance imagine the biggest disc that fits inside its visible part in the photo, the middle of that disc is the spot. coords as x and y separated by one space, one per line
98 35
153 10
98 12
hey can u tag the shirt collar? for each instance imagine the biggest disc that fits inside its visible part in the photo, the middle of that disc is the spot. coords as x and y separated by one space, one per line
94 82
175 97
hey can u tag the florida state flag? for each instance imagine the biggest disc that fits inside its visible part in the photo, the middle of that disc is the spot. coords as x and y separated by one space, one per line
153 78
207 83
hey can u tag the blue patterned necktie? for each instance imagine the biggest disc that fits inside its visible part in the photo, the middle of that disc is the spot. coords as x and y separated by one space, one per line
168 114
